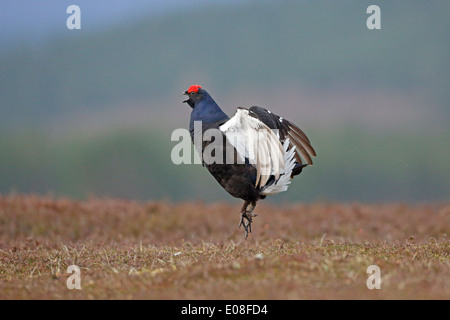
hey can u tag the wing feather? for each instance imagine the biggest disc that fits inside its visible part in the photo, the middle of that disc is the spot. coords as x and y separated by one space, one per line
287 130
255 141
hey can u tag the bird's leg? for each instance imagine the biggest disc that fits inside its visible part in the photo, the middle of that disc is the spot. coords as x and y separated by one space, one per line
248 215
243 215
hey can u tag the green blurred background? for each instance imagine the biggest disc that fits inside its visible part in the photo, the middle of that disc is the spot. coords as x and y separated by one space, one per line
90 112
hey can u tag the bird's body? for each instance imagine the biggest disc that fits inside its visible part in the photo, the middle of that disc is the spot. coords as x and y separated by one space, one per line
266 150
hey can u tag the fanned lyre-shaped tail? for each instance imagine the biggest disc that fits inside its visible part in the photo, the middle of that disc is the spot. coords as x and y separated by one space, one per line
287 129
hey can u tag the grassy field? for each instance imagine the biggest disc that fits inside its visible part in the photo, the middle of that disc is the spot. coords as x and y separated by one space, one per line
158 250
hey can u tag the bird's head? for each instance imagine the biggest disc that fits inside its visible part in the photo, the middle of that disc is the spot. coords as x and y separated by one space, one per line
195 95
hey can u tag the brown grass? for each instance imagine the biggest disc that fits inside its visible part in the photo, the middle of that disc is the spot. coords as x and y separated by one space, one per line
157 250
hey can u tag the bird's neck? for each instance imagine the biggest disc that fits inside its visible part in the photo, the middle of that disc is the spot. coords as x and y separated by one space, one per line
208 112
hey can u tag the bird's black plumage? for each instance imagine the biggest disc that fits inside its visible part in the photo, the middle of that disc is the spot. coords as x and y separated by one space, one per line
242 179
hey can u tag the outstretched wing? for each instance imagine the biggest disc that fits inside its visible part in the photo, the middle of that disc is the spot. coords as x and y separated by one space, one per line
255 141
286 129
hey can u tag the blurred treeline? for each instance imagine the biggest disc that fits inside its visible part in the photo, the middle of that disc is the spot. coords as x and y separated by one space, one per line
86 82
352 165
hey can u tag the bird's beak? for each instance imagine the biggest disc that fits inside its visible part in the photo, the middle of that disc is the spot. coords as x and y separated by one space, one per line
185 94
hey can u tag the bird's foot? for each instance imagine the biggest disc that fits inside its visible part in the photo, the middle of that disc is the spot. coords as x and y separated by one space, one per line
247 215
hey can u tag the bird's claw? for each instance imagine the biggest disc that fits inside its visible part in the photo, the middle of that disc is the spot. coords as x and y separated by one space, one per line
247 226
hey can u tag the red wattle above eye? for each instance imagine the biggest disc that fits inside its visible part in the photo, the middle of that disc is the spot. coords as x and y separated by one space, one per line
194 88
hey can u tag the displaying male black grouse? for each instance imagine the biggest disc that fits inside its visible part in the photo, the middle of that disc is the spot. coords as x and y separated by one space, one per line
266 150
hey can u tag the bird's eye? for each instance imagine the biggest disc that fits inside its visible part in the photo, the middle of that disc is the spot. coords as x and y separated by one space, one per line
192 92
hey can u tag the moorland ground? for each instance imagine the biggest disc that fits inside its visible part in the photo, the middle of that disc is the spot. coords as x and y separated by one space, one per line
160 250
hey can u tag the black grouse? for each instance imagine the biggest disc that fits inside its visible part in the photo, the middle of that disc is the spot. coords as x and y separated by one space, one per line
253 154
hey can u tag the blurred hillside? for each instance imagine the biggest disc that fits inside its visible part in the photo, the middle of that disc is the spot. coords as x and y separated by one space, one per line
92 112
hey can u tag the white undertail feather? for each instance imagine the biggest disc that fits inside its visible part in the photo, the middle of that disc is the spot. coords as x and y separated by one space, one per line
282 183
